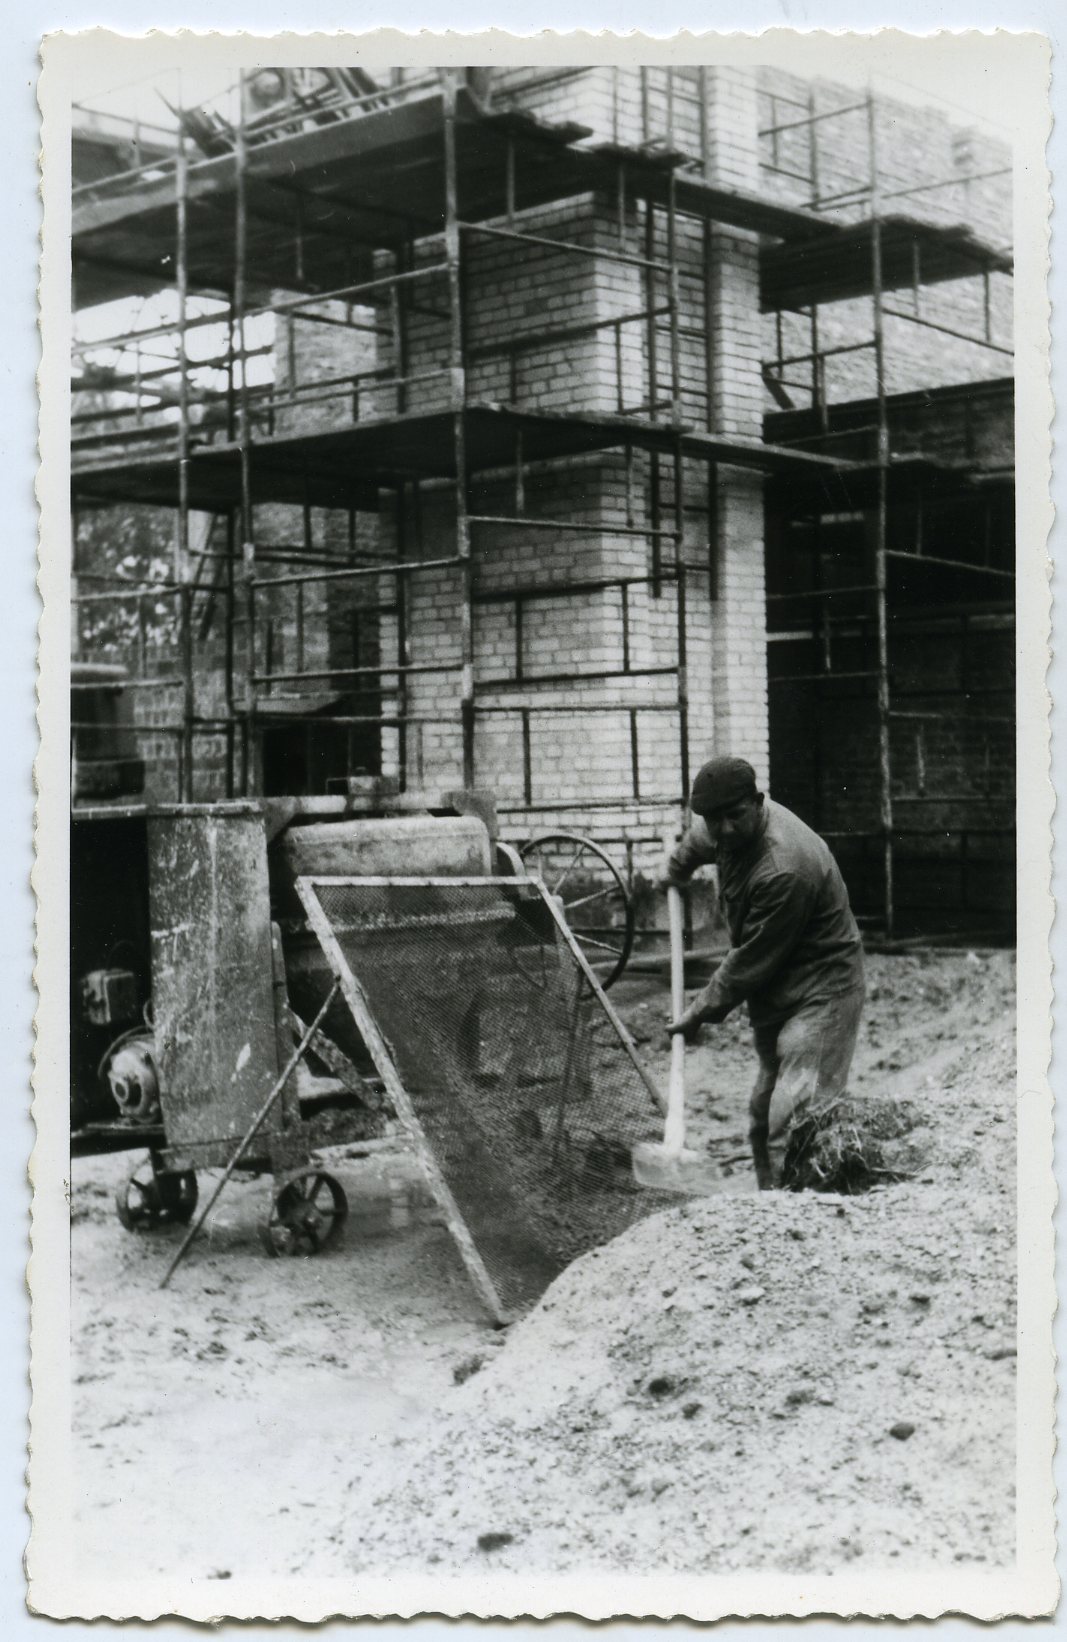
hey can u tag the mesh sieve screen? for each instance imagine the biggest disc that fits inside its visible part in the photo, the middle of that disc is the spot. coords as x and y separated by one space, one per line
514 1071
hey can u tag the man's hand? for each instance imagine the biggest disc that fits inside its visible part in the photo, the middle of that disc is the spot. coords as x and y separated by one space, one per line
688 1028
690 1022
665 880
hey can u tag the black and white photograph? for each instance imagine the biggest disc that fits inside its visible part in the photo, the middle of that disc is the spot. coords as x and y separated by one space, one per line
544 828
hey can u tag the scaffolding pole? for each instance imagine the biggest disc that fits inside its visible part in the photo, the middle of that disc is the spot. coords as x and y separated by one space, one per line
240 302
181 555
885 767
454 255
682 634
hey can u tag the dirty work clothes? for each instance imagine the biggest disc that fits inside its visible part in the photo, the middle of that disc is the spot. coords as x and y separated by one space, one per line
794 941
805 1059
807 1056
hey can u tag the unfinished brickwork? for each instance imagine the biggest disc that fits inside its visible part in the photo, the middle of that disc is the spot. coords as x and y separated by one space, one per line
926 168
616 595
527 747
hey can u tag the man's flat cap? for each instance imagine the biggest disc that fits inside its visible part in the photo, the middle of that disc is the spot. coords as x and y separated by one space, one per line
720 783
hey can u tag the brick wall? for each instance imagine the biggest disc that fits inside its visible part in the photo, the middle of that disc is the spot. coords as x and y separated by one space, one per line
928 168
971 426
515 294
321 357
927 165
739 687
953 773
535 618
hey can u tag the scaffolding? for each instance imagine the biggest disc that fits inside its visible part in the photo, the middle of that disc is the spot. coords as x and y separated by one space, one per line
147 454
883 488
365 202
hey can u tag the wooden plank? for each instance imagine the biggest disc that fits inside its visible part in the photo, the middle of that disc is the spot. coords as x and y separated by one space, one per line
355 140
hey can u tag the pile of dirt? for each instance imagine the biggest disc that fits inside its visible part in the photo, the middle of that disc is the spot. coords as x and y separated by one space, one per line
779 1381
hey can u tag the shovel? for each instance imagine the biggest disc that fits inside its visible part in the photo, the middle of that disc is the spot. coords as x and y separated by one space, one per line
669 1166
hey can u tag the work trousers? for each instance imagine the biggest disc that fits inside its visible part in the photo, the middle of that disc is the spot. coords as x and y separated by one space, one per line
805 1058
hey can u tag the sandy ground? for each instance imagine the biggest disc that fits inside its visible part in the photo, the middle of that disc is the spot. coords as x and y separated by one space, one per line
748 1381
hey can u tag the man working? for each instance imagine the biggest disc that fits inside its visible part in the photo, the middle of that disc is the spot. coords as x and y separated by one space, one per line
795 955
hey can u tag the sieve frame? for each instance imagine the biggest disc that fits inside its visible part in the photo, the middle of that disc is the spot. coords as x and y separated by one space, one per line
307 886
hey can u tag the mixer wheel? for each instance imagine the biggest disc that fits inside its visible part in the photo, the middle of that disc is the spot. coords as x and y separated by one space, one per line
148 1198
307 1212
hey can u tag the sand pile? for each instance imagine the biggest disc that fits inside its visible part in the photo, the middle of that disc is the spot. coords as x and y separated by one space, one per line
777 1381
787 1381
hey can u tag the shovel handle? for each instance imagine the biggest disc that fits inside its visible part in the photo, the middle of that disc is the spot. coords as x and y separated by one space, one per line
674 1129
677 930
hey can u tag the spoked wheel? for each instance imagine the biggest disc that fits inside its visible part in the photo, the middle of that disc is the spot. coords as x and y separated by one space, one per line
596 902
178 1195
149 1198
306 1213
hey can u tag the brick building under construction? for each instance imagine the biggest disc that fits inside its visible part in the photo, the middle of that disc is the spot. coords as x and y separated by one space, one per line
543 432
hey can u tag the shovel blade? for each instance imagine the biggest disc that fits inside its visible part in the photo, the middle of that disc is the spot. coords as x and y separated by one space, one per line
670 1171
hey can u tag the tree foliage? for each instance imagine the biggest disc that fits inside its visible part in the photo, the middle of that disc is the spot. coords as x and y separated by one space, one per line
131 544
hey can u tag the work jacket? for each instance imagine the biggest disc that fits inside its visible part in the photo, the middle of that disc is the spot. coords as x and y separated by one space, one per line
793 938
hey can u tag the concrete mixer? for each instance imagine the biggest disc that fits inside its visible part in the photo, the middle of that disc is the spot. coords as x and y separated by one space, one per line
194 973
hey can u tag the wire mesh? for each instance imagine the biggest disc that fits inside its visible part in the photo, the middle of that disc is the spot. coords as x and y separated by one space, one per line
516 1075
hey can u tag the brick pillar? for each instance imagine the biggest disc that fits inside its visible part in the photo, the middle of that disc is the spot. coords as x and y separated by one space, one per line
739 656
739 651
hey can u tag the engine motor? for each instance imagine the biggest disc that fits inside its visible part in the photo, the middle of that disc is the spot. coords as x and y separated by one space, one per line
129 1070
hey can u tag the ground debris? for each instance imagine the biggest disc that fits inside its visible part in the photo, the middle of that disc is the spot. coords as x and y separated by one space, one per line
851 1145
556 1439
495 1540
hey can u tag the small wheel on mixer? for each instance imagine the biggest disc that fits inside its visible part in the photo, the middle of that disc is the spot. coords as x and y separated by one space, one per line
178 1194
307 1212
148 1197
137 1199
